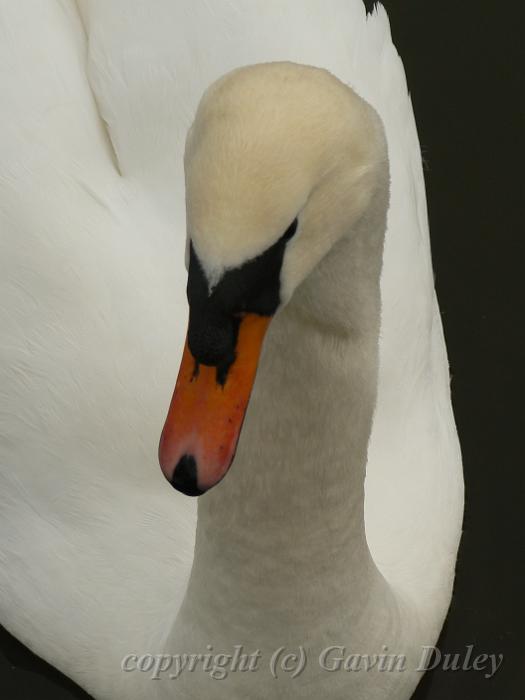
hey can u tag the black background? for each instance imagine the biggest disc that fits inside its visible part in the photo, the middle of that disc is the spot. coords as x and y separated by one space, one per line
464 68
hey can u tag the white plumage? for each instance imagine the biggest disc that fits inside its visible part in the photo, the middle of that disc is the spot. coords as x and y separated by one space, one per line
96 548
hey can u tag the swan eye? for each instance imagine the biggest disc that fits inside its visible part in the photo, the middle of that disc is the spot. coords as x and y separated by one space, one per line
290 231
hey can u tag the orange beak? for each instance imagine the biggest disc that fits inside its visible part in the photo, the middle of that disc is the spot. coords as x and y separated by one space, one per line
200 435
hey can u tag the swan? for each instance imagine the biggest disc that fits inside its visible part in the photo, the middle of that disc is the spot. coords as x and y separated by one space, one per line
306 243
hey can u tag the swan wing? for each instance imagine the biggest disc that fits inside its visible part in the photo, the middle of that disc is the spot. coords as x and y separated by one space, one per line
95 544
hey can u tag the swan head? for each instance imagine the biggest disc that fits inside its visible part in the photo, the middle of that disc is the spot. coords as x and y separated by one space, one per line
280 162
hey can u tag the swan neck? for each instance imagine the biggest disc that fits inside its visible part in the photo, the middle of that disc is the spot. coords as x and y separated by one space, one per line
286 526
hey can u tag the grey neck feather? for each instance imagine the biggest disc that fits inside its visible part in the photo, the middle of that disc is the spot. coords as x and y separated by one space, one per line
280 542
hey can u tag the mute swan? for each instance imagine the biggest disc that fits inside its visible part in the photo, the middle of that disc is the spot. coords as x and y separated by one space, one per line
96 547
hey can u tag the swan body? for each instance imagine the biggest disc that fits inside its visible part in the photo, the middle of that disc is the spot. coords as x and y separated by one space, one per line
100 557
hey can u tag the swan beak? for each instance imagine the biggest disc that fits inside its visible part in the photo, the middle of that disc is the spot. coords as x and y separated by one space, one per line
200 435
